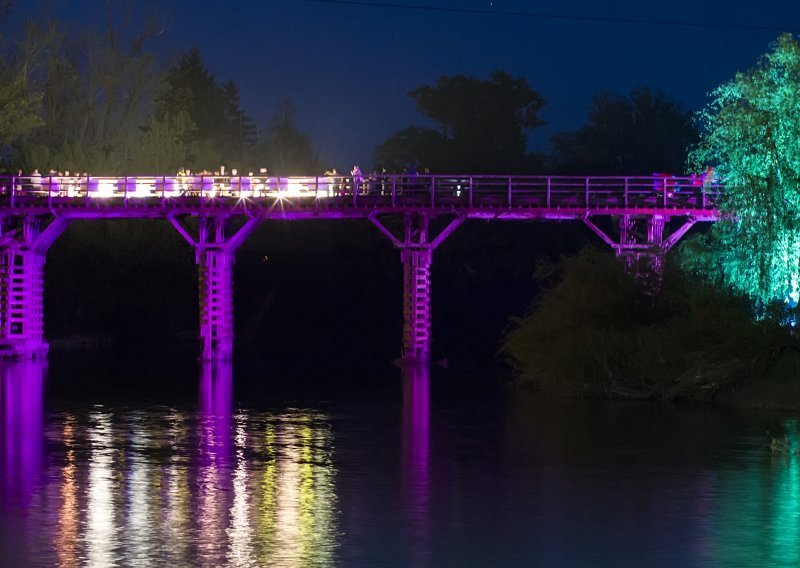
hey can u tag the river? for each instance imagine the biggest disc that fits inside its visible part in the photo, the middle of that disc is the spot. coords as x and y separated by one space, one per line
181 464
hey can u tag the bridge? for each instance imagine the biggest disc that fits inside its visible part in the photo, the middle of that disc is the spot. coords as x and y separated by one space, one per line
641 218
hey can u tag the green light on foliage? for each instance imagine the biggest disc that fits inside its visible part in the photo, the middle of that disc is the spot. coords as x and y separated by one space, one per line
751 134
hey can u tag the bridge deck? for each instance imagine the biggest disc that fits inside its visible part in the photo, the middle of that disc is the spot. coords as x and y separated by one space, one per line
336 197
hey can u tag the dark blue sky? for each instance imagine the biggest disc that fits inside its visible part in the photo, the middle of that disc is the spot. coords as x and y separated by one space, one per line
348 68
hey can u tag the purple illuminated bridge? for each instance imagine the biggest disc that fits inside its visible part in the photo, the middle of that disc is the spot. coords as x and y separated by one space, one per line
641 218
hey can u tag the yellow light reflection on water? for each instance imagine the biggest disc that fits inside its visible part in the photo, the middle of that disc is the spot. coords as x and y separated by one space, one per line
67 544
297 497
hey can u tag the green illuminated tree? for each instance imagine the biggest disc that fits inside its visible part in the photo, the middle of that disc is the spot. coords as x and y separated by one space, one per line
751 134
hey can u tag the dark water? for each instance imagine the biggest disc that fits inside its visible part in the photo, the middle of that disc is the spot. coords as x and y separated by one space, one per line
177 465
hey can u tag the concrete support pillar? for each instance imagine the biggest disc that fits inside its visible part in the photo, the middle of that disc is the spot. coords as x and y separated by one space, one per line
216 303
416 304
215 264
23 314
416 253
642 249
22 261
215 254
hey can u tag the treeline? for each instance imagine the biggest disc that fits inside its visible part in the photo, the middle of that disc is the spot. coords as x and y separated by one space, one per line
100 101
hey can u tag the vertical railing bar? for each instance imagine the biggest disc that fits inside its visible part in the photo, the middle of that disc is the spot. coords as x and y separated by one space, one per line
509 191
470 191
433 189
549 189
625 194
587 192
394 190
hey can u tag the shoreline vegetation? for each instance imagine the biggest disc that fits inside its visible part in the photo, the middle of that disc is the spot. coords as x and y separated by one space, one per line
597 333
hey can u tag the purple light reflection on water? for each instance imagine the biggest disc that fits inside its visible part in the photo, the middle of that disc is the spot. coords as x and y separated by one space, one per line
23 428
216 409
416 456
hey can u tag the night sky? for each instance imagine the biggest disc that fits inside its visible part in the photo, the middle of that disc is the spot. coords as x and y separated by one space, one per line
348 68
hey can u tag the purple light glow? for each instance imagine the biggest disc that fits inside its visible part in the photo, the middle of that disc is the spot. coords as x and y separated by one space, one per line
416 451
23 435
216 409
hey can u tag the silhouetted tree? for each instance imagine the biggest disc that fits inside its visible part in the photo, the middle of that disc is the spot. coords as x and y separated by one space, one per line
287 150
482 125
638 134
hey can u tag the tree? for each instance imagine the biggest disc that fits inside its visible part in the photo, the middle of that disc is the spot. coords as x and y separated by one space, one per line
93 91
482 125
220 132
639 134
18 110
414 145
750 134
287 150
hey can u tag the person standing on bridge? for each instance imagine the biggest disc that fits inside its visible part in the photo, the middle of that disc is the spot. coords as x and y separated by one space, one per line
358 179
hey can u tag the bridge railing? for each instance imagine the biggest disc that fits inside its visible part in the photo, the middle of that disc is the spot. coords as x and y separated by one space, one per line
477 191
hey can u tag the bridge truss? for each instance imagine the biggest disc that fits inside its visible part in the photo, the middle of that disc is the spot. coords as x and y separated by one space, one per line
641 218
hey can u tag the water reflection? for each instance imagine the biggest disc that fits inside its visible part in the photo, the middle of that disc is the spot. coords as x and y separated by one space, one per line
21 397
216 460
266 493
416 456
758 510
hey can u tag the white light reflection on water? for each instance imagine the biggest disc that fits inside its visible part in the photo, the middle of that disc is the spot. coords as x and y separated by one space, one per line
139 492
101 526
241 531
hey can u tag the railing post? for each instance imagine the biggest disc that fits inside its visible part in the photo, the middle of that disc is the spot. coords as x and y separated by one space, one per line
625 194
433 190
394 190
664 192
470 191
587 192
549 180
509 191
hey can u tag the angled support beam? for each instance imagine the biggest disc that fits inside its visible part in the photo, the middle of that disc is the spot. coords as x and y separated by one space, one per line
599 232
678 235
181 228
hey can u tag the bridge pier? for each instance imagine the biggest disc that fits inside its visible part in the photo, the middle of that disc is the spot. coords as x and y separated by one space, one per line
643 245
22 258
416 254
215 254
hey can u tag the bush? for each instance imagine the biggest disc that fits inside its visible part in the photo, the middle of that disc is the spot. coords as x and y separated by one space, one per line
597 332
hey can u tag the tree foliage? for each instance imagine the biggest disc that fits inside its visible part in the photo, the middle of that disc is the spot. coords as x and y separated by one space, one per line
94 88
204 115
287 150
751 133
589 335
481 126
637 134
